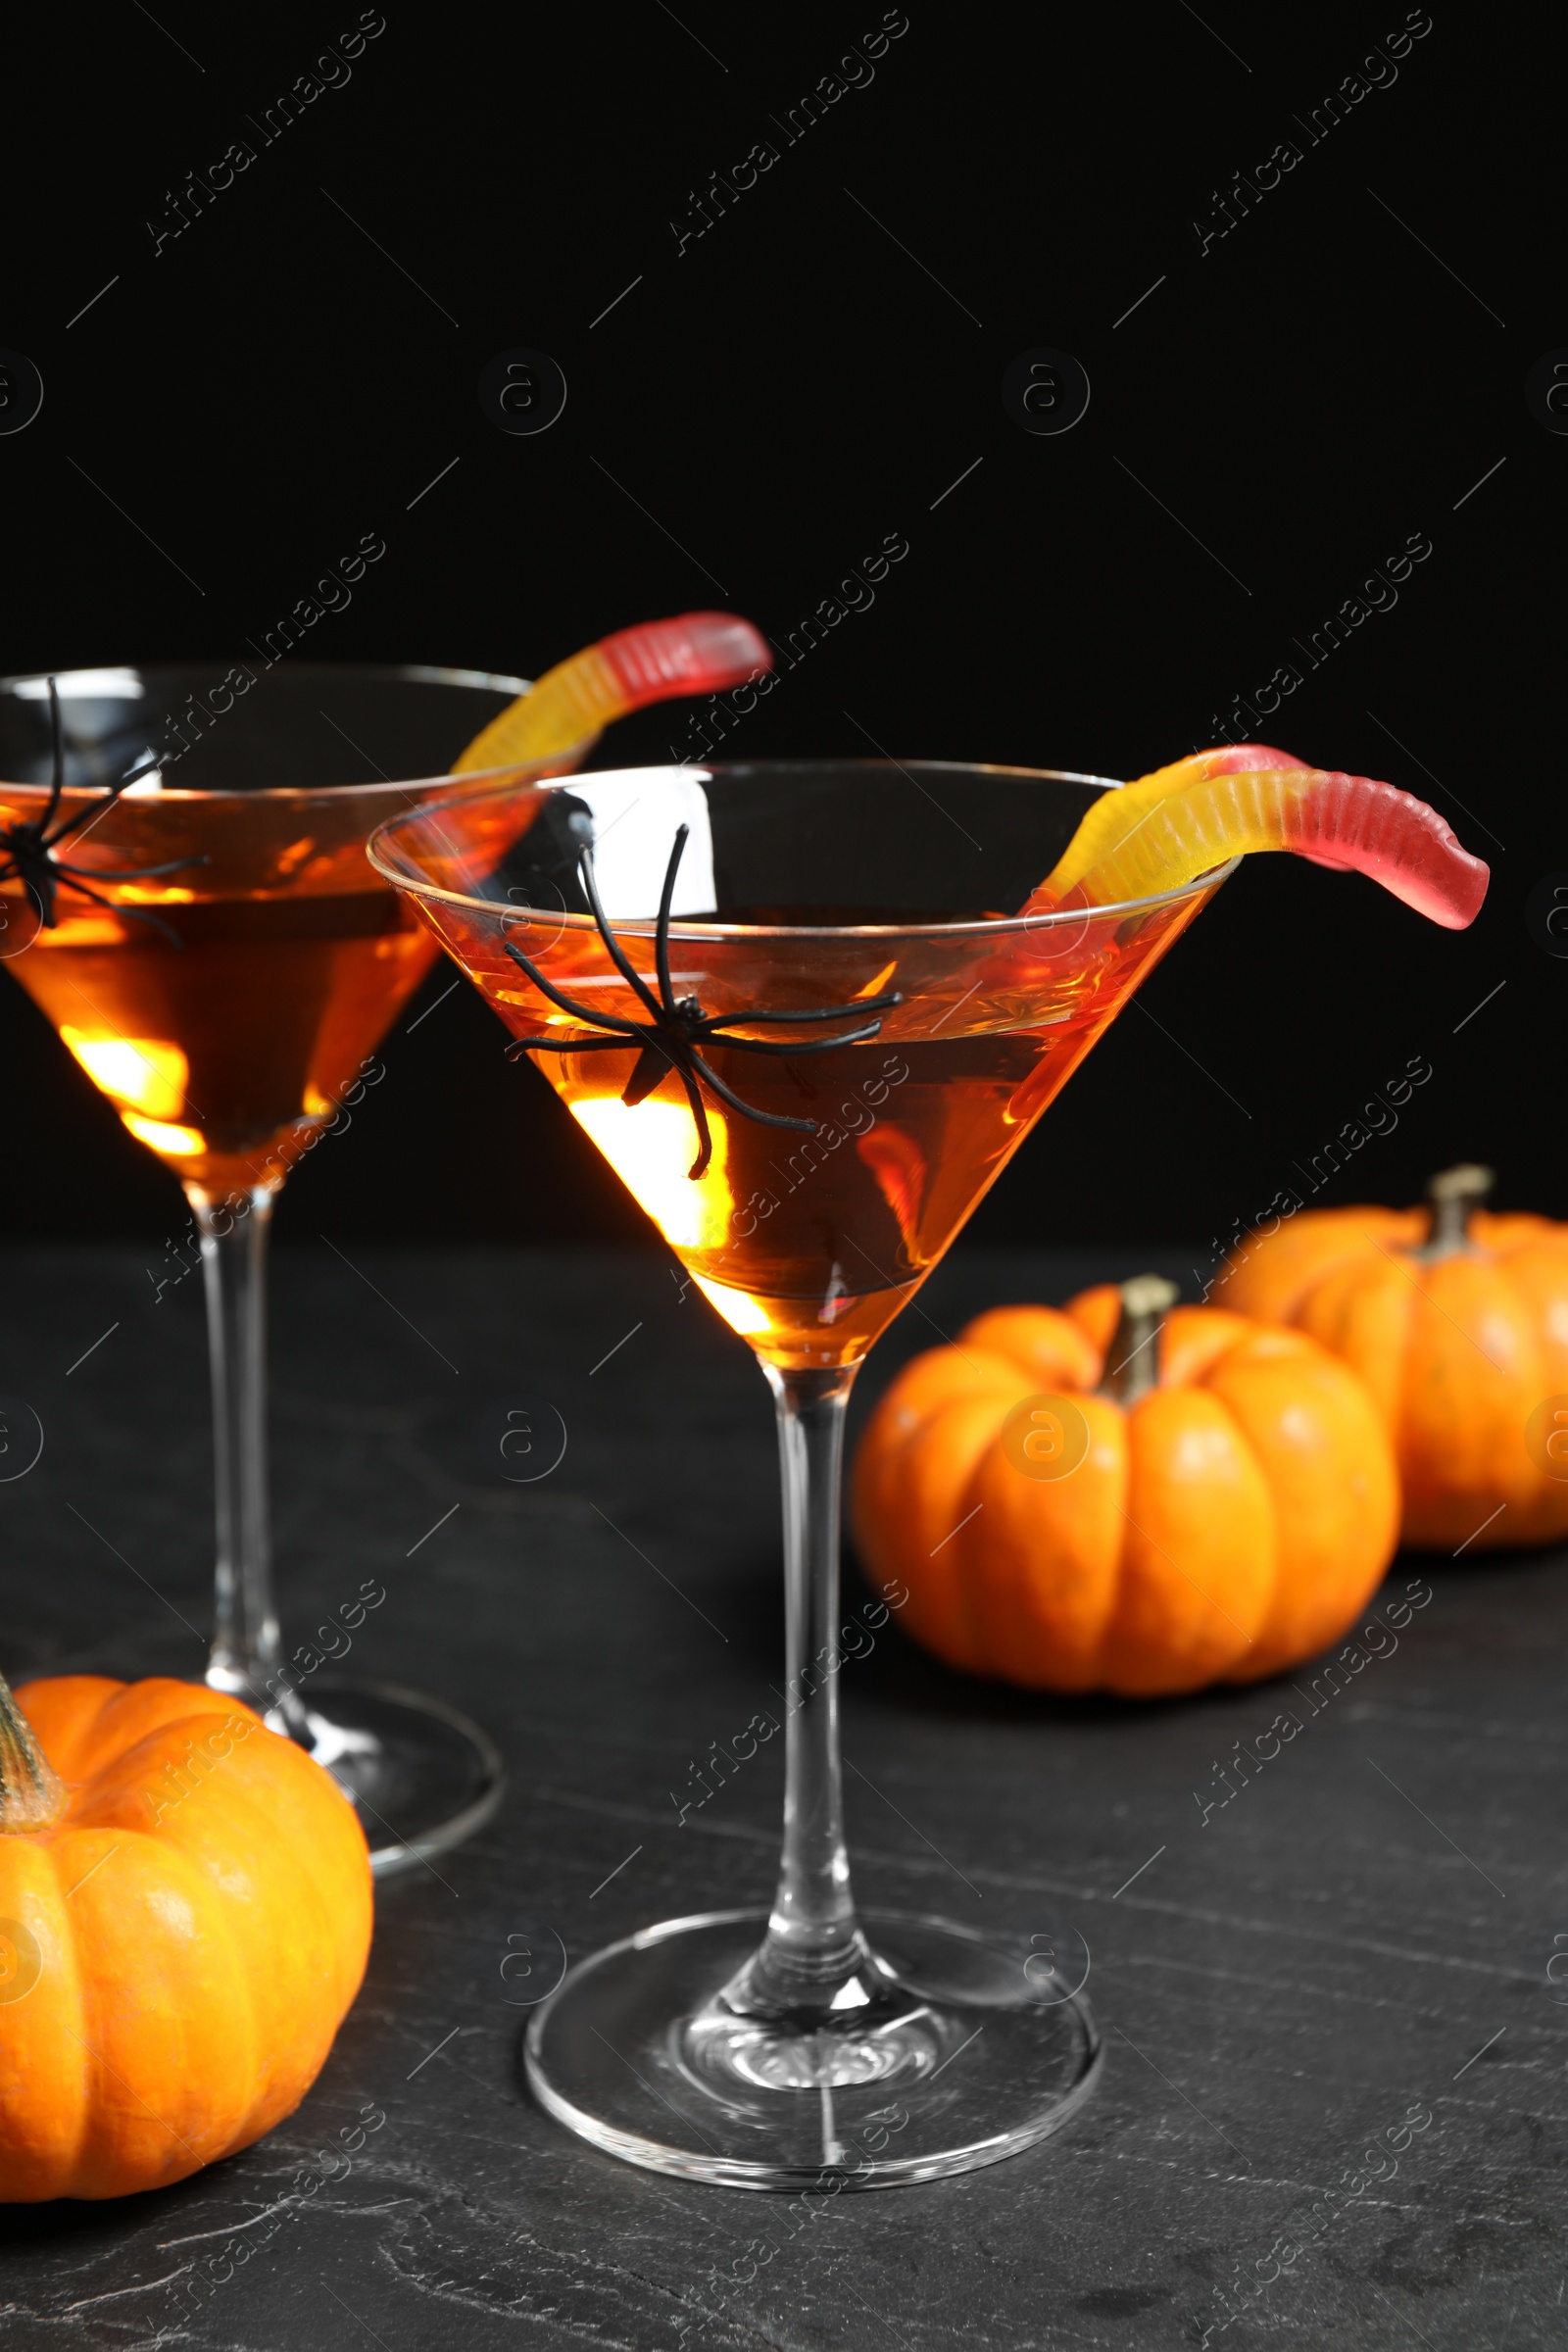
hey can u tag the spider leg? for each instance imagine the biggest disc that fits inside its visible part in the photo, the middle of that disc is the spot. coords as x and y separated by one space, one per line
40 886
95 809
662 934
556 1044
122 874
138 915
579 1012
830 1013
618 955
816 1045
764 1118
651 1068
58 780
31 865
694 1096
144 915
63 879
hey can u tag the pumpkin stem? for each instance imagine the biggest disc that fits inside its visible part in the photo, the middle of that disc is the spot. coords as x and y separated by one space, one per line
1453 1195
32 1796
1132 1360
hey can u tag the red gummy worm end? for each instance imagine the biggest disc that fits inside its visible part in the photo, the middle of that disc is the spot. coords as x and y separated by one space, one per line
698 653
1427 868
1392 838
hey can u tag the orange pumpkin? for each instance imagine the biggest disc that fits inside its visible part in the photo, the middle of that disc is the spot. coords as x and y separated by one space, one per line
184 1919
1117 1498
1457 1321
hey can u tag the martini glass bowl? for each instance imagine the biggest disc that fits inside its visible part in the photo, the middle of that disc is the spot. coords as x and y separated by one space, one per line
847 1005
223 976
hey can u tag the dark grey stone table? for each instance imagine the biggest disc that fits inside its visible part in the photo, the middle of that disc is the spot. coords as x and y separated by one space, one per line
1358 1942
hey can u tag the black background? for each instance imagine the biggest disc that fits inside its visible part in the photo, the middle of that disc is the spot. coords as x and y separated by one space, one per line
758 411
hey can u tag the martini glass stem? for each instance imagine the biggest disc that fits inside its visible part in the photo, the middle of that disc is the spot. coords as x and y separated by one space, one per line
247 1647
813 1943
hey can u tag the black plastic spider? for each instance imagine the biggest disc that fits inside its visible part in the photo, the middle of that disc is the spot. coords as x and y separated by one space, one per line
678 1025
30 845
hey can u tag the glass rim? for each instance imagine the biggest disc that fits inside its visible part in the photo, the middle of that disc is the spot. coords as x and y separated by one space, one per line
700 927
417 674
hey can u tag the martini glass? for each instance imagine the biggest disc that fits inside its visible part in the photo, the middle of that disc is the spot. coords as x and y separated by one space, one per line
229 1008
851 929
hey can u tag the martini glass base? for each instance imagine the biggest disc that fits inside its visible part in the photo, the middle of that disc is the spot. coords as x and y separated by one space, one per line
421 1776
957 2061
